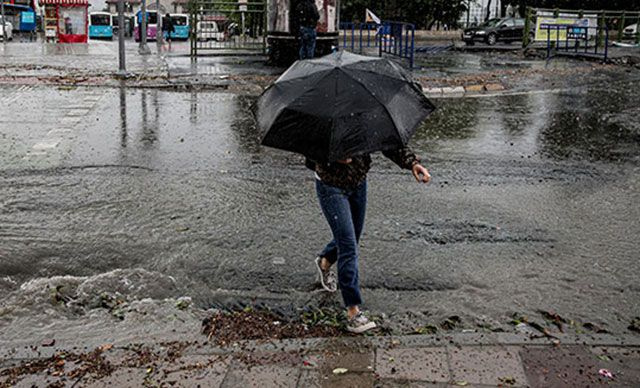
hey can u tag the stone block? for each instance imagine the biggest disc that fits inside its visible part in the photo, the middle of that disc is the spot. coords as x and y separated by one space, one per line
493 87
261 376
418 364
487 365
474 88
316 379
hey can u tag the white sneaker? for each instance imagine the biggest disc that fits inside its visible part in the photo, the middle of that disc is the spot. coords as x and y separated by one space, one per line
360 324
327 278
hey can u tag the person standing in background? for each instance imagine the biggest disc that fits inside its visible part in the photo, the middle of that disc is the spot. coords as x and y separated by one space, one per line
307 16
168 29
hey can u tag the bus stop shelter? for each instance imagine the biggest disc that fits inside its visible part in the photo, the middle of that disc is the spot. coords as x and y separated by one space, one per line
66 21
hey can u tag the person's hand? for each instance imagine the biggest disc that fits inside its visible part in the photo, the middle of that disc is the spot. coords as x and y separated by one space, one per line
420 173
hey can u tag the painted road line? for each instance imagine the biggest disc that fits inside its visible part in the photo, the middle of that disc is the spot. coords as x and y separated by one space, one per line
59 130
77 113
46 145
71 120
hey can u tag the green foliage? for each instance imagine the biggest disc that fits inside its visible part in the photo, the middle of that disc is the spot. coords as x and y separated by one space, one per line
423 13
629 5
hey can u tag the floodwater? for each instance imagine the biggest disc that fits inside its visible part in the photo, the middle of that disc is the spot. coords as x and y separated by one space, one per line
533 206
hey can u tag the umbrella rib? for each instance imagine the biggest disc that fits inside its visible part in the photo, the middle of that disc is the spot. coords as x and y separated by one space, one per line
376 98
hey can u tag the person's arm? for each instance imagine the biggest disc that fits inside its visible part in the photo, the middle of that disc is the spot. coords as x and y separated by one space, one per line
406 159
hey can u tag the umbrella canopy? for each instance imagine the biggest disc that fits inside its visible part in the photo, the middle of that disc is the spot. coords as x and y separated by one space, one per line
341 105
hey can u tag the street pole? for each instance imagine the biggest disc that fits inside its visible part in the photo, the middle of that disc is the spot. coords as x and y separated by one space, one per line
4 27
122 71
159 28
144 49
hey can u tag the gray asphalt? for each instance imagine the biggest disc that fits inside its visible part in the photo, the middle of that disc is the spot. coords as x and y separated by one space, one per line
533 206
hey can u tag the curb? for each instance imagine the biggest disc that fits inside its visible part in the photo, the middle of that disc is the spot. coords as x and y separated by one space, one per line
197 345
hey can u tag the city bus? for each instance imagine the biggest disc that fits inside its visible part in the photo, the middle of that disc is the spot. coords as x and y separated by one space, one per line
21 17
100 26
152 25
181 28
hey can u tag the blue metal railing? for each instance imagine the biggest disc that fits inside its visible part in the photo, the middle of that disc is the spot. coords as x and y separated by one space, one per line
359 35
393 38
575 40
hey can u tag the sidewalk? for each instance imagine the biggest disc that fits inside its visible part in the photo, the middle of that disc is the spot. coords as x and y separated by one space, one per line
465 359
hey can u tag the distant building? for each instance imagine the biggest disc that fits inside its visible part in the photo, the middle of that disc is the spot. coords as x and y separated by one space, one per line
477 11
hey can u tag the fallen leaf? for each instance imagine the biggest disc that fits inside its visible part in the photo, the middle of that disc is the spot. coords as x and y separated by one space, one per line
106 347
605 373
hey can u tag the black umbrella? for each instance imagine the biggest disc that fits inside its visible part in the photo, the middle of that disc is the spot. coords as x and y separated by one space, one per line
341 105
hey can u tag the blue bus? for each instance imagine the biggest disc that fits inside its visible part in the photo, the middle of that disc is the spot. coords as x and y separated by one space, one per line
181 28
100 25
21 17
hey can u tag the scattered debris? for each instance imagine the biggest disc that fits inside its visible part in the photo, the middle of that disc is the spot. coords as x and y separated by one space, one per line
554 318
228 327
507 380
48 342
451 323
427 329
635 325
595 328
606 373
183 303
340 371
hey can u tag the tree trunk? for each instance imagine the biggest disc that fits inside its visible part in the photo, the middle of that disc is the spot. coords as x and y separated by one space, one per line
488 11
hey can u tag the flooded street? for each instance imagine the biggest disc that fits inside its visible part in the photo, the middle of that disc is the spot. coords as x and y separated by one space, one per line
533 206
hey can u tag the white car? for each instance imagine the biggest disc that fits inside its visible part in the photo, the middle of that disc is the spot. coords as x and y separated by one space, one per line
630 31
207 30
8 29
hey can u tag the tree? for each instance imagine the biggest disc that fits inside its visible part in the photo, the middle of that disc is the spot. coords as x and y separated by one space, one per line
422 13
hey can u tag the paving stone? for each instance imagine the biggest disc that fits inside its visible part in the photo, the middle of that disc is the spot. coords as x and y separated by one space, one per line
261 376
40 380
493 87
486 365
122 377
422 364
196 371
408 384
453 90
353 361
474 88
578 367
433 91
317 379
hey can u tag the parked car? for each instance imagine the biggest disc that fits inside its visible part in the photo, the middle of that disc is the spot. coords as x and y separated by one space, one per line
8 29
630 32
207 30
495 30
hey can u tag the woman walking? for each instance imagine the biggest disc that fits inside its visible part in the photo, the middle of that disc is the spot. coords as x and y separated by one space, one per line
342 192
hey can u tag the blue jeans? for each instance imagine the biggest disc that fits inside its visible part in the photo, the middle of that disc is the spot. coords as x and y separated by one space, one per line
344 211
307 42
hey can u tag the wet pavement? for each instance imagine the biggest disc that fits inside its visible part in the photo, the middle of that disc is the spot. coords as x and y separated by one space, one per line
533 206
490 360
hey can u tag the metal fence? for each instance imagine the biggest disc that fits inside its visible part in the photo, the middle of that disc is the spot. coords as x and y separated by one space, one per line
620 25
393 38
228 26
575 40
398 39
358 36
